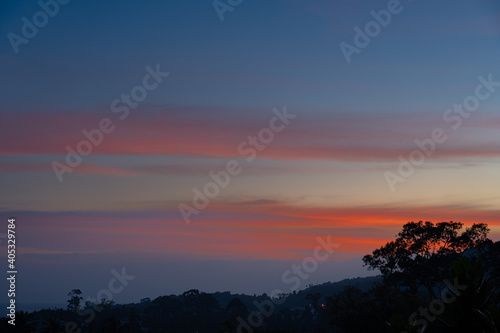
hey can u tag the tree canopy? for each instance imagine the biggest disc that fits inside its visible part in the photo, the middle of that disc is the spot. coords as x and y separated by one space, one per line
75 298
422 252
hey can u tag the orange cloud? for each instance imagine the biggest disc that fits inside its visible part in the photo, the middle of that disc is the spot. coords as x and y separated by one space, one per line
275 231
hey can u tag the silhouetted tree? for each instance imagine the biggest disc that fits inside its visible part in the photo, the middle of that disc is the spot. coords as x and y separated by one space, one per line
492 263
472 305
75 297
423 251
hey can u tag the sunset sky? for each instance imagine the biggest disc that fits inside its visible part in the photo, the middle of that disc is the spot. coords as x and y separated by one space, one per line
326 172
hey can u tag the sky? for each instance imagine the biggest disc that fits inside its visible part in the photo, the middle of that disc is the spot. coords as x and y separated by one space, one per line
209 145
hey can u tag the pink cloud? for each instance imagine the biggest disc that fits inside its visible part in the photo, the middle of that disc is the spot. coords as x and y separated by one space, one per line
200 132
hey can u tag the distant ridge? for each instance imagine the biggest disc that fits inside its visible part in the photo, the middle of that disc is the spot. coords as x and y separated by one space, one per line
298 299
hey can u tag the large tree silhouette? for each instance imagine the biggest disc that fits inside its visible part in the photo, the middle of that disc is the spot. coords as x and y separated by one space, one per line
422 252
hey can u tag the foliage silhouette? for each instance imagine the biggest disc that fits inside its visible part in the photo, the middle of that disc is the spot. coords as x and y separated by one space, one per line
75 298
422 252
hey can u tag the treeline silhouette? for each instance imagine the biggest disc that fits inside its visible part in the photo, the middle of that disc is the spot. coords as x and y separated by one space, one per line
435 278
